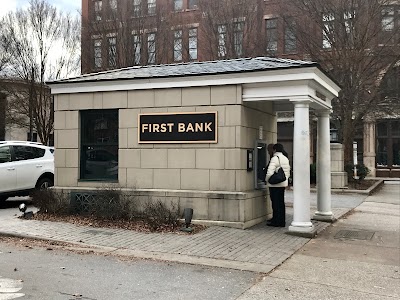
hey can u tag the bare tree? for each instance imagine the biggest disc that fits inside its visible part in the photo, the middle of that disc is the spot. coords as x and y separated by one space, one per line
44 44
126 33
231 28
356 42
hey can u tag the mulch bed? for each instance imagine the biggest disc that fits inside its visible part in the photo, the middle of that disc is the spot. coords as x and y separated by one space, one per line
135 225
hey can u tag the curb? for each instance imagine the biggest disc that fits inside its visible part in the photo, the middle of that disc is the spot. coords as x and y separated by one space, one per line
368 191
160 256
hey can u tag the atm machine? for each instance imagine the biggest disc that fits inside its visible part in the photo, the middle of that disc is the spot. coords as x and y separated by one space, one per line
260 163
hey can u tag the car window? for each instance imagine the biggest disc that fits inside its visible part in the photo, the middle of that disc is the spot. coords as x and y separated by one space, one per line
5 154
27 152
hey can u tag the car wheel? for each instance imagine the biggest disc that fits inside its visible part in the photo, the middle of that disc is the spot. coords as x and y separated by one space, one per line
44 183
2 200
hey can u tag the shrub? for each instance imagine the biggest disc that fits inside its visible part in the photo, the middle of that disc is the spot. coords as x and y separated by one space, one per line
362 171
50 201
157 215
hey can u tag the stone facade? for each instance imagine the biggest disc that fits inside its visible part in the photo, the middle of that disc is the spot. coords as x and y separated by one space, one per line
210 178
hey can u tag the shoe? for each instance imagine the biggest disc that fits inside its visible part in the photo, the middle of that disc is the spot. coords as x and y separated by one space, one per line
269 222
276 225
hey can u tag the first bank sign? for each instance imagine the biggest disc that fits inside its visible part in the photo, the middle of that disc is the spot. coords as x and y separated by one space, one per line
195 127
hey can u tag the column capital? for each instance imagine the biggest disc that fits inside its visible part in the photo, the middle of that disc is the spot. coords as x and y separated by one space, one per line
323 113
301 100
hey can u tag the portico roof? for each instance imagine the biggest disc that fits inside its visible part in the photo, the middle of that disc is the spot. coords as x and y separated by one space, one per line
261 78
192 68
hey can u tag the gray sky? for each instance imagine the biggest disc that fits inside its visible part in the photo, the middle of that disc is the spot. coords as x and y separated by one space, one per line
65 5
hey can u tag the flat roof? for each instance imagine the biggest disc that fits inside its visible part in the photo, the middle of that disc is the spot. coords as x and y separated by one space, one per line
191 69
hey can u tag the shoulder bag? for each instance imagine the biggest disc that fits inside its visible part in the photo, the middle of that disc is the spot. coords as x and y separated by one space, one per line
278 176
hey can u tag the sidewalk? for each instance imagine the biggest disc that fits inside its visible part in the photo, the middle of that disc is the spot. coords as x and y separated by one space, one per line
259 249
357 257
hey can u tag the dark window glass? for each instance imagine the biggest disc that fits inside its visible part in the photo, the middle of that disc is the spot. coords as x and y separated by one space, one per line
381 153
99 144
290 37
34 137
395 128
382 129
272 36
396 152
5 154
27 152
192 4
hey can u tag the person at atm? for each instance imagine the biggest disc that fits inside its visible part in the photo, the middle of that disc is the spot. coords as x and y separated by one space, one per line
277 191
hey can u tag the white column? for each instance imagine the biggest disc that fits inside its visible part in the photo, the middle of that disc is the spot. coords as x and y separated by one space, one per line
301 224
324 212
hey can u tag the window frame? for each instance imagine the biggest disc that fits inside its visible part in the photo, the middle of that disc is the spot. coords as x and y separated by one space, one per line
178 45
271 33
137 48
193 40
238 37
151 7
290 37
97 55
89 141
112 51
222 39
151 44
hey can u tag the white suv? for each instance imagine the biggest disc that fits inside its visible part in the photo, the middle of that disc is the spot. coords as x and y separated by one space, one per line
24 166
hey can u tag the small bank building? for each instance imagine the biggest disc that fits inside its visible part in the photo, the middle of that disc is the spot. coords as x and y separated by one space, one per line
195 134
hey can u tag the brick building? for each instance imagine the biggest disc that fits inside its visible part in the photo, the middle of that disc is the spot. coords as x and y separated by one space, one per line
123 33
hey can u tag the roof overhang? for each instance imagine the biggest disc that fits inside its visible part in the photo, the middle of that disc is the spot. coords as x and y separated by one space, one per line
279 85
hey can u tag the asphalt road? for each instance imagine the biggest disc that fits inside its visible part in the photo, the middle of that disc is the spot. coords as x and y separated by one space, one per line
33 272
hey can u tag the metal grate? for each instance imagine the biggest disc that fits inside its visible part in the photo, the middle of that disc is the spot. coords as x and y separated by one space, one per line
352 234
83 202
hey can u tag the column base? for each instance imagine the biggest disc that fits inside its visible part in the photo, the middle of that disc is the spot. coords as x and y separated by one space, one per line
307 232
324 217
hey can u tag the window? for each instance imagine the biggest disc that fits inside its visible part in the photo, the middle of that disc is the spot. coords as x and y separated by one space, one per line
27 152
136 49
178 5
290 36
193 44
221 41
113 5
192 4
151 7
5 154
98 62
112 52
137 8
272 36
99 144
178 45
98 6
349 22
34 137
388 19
238 38
151 48
327 34
388 143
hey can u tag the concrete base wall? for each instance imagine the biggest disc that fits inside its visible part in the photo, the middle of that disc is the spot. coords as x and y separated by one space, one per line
339 180
338 176
231 209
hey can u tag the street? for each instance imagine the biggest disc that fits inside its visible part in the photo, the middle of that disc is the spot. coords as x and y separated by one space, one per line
39 273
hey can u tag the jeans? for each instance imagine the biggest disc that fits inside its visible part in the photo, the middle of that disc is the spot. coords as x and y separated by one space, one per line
277 195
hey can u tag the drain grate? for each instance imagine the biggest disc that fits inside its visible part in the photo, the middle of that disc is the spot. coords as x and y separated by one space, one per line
95 232
352 234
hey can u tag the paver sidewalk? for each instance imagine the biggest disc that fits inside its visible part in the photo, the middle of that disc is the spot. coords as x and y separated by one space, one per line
258 249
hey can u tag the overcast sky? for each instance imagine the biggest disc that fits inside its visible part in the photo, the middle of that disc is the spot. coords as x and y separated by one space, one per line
65 5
